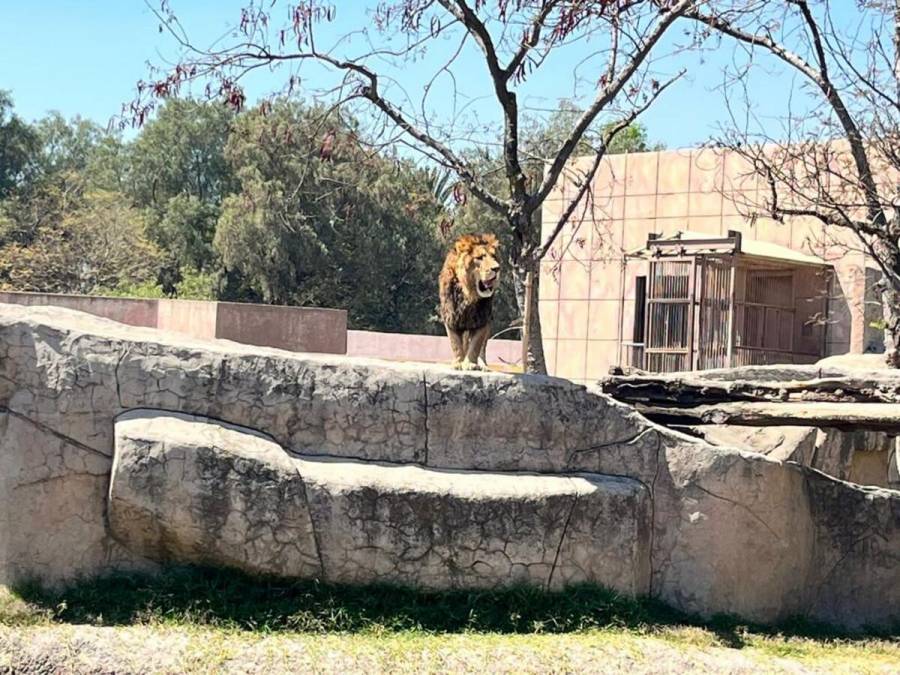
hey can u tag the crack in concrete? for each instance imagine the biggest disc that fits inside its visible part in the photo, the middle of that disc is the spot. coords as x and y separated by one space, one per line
743 506
50 479
122 356
652 489
53 432
562 539
610 444
781 441
312 525
850 550
425 390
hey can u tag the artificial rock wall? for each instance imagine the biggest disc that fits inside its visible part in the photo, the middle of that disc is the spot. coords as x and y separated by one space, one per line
122 447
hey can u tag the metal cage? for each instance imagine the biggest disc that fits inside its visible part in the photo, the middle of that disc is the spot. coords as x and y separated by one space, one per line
702 303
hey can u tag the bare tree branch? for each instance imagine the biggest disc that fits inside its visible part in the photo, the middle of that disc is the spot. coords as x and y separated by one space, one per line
840 171
513 39
604 96
586 182
819 75
507 99
531 38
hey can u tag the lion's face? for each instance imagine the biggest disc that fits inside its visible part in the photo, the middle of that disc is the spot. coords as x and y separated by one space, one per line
478 269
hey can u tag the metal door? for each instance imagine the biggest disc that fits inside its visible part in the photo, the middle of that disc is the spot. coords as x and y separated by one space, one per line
670 319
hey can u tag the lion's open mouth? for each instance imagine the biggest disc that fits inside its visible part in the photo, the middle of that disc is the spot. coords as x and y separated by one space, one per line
486 287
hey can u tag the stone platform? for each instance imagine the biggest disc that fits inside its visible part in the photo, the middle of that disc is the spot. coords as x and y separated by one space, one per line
363 471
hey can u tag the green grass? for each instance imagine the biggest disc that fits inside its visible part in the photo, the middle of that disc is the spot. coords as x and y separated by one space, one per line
222 603
226 599
230 600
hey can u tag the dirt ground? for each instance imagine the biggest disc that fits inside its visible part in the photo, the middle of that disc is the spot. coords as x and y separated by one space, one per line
162 649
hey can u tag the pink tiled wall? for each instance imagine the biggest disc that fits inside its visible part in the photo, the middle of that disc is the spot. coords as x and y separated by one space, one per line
702 190
426 348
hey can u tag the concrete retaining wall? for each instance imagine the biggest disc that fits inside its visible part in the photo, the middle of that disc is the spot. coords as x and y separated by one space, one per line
424 348
191 317
131 311
318 330
298 329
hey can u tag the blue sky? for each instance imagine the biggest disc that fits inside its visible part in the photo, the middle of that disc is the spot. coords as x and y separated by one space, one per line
83 57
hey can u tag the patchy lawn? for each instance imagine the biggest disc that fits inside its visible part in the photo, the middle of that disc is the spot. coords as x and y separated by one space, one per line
201 621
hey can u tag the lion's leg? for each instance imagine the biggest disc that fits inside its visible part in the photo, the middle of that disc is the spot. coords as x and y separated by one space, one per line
465 363
456 346
477 347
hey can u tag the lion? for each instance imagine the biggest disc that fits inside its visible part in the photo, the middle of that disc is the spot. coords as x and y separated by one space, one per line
469 278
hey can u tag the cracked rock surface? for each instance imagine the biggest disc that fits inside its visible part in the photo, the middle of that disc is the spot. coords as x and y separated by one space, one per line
187 489
190 489
386 458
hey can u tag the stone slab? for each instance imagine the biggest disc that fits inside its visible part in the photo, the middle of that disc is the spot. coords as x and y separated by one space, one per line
439 529
189 490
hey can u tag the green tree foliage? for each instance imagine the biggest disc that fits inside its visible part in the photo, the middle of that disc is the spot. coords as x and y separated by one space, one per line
145 289
346 228
93 241
79 147
24 214
180 175
63 229
282 204
181 152
543 137
198 286
185 229
65 145
18 146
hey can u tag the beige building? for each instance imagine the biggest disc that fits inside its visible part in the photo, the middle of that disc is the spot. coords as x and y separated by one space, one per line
661 271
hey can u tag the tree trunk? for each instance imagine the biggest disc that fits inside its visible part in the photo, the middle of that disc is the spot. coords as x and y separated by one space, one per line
890 294
897 45
890 300
888 253
535 347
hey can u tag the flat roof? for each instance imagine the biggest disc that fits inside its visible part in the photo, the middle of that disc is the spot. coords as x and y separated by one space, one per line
699 243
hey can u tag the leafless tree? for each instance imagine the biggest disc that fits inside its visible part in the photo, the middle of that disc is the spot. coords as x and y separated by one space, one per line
510 41
838 159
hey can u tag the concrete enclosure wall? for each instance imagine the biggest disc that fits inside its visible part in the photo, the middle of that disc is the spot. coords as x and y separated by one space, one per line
318 330
131 311
298 329
191 317
425 348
